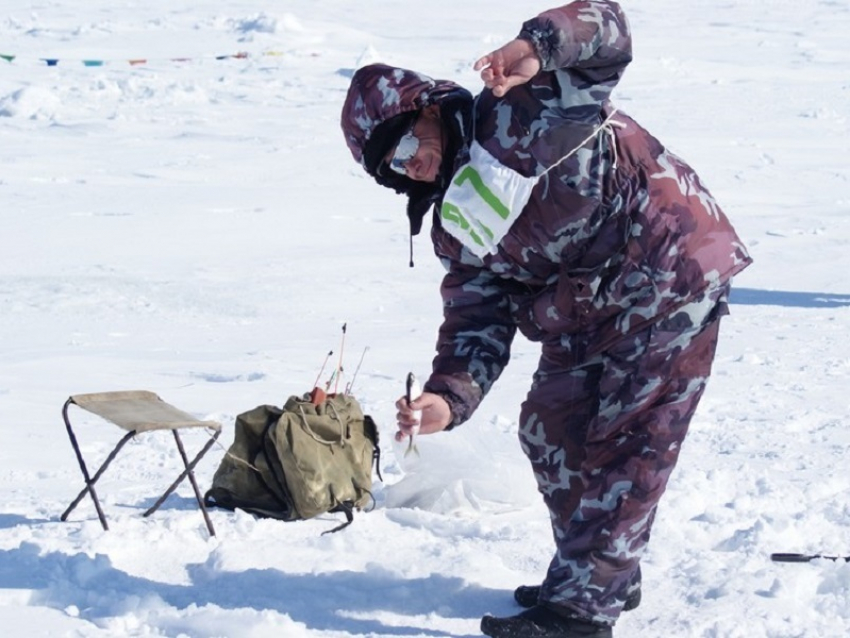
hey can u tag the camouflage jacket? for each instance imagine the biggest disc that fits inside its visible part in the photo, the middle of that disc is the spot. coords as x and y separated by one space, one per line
618 235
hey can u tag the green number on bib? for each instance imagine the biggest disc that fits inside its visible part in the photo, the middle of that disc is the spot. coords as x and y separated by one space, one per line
473 177
452 213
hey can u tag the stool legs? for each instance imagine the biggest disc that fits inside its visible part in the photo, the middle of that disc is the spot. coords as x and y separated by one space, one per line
189 471
90 481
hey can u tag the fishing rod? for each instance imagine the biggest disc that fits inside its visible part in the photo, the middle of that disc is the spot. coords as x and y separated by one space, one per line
319 376
341 351
350 384
804 558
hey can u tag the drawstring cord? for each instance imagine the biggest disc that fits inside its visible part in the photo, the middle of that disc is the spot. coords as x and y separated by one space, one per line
228 453
317 438
606 127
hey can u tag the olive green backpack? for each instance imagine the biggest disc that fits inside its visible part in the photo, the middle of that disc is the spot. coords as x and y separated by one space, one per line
313 456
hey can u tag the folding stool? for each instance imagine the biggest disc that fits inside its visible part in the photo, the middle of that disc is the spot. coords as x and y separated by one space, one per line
137 412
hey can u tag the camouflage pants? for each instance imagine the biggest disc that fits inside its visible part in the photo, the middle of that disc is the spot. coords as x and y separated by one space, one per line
603 438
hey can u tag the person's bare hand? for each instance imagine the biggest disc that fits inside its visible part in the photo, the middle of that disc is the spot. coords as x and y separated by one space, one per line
509 66
436 415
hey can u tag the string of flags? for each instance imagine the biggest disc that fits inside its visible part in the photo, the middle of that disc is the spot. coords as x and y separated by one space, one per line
141 61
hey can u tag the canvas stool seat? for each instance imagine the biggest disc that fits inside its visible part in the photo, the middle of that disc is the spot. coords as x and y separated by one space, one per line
138 412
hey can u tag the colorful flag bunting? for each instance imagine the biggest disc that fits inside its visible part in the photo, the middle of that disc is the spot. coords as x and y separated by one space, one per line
241 55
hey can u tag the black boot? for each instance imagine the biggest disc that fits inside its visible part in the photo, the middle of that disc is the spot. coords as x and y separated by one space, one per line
542 622
527 595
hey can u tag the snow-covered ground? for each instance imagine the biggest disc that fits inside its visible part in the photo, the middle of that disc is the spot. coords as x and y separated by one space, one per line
197 228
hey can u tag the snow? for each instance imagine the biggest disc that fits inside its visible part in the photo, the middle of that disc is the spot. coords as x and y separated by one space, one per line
198 229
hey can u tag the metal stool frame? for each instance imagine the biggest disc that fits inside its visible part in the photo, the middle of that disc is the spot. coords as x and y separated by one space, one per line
171 419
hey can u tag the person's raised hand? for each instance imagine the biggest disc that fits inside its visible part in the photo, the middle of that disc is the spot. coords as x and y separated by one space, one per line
509 66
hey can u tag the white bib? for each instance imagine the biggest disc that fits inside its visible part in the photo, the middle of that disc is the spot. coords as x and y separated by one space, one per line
483 201
485 197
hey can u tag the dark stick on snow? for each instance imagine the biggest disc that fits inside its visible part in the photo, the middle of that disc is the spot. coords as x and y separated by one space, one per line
804 558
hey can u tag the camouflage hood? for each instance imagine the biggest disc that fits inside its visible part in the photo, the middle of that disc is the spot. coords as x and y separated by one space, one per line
381 102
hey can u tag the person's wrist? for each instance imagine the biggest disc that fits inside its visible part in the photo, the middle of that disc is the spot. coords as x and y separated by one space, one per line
537 45
455 409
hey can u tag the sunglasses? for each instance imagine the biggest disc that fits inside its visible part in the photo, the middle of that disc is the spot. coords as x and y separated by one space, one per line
405 150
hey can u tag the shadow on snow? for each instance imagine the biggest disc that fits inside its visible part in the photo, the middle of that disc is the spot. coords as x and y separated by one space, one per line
752 297
100 590
8 521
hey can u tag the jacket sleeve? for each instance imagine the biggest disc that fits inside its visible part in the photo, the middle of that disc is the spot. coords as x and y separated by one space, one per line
474 341
589 38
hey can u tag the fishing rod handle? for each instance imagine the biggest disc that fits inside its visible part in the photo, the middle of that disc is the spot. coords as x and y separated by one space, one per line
792 558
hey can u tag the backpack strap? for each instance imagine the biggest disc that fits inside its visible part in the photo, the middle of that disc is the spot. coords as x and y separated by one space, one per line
372 433
348 509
